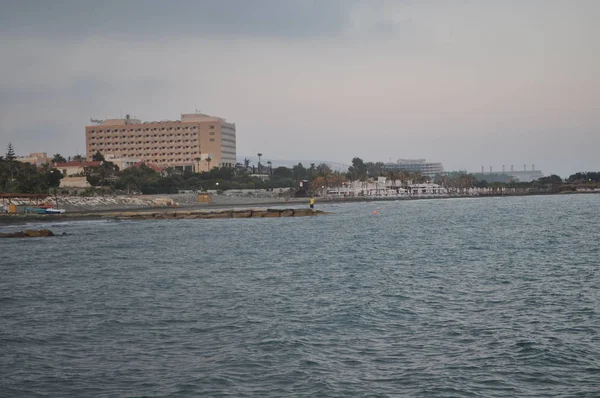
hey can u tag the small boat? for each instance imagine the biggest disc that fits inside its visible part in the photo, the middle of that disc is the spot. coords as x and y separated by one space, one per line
55 211
43 210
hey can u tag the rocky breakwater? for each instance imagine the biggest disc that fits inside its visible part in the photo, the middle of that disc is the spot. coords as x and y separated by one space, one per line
246 213
28 233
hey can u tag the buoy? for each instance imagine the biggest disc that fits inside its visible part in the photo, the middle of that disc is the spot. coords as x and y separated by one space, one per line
375 212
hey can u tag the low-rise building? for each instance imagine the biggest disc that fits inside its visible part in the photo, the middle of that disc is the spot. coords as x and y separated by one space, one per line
152 166
74 168
121 163
506 176
35 158
74 182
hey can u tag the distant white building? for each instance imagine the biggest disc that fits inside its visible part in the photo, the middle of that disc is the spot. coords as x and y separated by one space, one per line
263 177
429 169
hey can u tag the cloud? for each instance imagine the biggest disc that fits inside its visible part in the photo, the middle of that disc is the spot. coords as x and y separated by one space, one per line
459 82
156 18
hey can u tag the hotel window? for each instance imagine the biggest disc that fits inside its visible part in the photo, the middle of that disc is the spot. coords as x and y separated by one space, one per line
212 139
212 126
211 133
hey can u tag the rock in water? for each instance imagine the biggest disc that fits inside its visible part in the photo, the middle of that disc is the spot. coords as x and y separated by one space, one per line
33 233
28 233
19 234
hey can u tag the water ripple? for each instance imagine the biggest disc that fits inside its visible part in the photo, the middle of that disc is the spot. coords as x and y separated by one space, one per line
471 298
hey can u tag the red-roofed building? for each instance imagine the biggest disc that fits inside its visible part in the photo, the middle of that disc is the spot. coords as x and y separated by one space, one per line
74 168
152 166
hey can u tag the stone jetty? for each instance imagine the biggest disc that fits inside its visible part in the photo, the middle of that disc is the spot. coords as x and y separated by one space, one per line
240 213
162 215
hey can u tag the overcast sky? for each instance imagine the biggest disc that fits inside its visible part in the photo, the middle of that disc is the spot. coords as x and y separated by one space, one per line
467 83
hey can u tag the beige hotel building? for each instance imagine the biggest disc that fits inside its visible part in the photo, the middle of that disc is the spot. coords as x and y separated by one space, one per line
197 142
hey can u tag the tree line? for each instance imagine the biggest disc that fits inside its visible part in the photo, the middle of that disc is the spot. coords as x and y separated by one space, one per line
146 180
19 177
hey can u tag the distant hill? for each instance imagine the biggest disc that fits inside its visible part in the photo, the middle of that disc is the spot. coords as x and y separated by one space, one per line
289 163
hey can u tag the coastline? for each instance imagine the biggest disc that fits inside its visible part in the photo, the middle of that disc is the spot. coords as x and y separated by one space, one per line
235 209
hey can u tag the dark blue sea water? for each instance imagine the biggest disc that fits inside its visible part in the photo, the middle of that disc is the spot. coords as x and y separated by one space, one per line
495 297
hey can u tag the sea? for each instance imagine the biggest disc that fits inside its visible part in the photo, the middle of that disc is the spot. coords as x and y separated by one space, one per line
476 297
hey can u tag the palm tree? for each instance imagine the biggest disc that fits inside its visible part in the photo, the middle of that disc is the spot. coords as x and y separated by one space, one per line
198 159
270 168
311 171
259 165
246 163
416 177
58 158
392 175
208 159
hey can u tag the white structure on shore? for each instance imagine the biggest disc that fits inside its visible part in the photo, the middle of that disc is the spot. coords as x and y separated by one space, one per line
386 188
